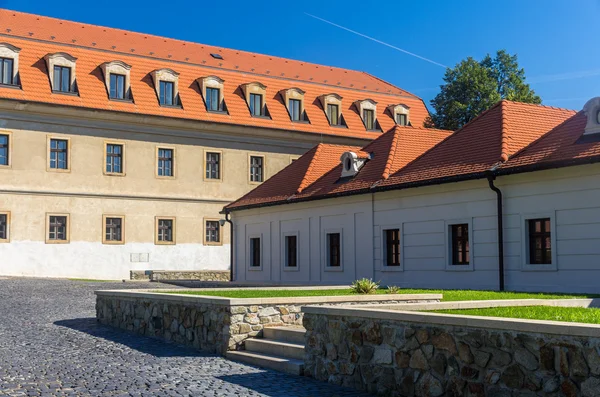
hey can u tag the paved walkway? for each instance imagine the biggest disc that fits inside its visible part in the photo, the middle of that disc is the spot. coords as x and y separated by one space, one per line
51 345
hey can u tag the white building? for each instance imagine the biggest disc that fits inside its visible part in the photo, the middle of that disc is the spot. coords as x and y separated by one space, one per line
414 211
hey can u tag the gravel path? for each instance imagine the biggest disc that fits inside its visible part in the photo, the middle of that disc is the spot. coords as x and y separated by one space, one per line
51 345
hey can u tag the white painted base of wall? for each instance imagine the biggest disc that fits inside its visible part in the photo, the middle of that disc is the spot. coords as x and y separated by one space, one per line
101 261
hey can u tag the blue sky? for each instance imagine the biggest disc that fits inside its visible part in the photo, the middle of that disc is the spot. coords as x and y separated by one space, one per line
553 39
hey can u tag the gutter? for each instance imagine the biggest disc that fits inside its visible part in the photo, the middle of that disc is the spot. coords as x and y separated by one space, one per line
491 177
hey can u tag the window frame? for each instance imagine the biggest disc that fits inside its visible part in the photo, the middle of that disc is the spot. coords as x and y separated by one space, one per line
157 220
67 239
9 136
12 71
328 113
205 165
264 167
450 266
105 217
291 109
105 162
249 252
49 140
400 115
8 227
125 96
384 267
251 104
174 102
54 83
326 251
373 120
173 165
284 253
219 108
219 229
525 262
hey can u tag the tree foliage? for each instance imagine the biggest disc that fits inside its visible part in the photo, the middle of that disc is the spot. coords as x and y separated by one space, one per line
472 87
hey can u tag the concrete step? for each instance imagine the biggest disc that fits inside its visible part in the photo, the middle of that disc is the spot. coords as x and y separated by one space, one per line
275 348
282 364
285 334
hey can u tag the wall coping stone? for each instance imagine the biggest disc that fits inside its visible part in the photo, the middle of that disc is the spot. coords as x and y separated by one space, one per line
215 300
479 304
498 323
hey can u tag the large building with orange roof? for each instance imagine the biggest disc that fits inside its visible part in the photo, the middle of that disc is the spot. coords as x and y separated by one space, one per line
119 149
509 201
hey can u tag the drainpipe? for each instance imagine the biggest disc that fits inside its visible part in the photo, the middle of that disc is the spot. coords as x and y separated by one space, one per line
228 220
491 177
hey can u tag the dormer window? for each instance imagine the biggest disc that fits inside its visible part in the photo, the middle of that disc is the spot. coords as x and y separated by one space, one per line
211 88
166 84
9 64
294 100
117 80
351 164
62 72
367 108
400 114
332 104
255 94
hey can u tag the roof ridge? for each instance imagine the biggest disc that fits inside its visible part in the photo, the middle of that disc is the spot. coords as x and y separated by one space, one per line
388 83
304 183
391 153
504 132
539 105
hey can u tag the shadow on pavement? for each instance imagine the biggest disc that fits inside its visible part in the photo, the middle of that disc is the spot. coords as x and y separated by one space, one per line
144 344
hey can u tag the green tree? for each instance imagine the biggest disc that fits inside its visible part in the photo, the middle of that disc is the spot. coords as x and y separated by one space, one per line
472 87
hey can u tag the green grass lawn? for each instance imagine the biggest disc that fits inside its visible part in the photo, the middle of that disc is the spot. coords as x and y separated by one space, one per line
570 314
449 295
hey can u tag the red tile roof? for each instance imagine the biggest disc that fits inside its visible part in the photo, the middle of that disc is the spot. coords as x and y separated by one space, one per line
92 45
509 137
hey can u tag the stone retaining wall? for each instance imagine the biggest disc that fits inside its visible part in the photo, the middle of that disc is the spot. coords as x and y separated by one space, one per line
196 275
212 323
422 354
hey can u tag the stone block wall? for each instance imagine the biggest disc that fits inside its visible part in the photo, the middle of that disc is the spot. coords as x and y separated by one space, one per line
196 275
400 358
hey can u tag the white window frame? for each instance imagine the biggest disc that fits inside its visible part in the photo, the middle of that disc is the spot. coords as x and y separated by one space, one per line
448 238
325 251
525 265
249 252
284 251
384 267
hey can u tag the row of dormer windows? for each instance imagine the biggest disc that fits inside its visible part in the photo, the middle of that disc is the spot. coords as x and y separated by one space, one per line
62 77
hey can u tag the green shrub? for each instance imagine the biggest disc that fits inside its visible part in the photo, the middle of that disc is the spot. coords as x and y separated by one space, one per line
393 289
364 286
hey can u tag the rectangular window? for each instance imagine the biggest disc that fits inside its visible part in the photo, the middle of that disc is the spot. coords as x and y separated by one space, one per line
213 165
58 228
213 232
333 250
114 158
6 71
59 154
401 119
4 149
294 105
255 252
165 230
540 241
4 232
369 119
392 247
333 114
256 104
166 93
113 229
460 244
62 79
256 169
291 251
165 162
212 99
117 86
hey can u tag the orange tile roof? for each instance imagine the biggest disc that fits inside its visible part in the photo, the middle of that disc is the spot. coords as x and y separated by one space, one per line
92 45
509 137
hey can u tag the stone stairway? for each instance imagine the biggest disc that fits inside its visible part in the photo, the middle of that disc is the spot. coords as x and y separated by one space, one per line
281 349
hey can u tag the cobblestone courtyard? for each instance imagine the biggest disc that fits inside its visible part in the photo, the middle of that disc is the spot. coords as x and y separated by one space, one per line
51 345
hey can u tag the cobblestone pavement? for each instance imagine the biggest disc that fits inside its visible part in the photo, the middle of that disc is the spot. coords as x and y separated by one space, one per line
51 345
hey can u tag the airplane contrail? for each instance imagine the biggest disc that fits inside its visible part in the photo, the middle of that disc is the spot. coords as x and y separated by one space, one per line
377 41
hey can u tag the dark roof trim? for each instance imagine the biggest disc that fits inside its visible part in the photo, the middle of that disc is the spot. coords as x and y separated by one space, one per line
431 182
